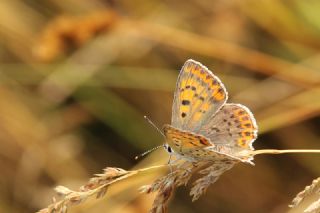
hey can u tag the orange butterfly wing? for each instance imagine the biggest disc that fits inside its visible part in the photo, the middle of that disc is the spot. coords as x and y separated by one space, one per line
198 96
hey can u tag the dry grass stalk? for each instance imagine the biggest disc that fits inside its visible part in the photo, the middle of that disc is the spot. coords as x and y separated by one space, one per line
96 187
313 207
166 185
180 176
313 189
252 153
181 173
160 203
211 175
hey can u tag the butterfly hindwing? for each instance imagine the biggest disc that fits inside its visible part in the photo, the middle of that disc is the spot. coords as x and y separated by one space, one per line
233 127
198 96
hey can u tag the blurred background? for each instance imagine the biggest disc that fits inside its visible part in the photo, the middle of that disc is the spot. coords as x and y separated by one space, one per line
77 76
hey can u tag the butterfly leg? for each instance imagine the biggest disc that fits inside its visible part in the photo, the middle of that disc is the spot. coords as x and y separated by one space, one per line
173 161
169 162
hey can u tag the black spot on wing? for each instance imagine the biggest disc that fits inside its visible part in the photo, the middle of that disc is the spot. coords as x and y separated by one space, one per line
247 125
185 102
202 141
215 129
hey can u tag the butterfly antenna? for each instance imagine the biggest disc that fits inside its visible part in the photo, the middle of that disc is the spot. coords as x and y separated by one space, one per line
151 150
152 124
148 151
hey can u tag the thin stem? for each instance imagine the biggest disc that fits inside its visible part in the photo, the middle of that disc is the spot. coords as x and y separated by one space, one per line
275 151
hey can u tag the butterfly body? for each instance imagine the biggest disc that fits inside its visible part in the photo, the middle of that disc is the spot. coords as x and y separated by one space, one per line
204 126
195 147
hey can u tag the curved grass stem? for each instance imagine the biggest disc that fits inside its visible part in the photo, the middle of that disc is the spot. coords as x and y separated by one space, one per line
286 151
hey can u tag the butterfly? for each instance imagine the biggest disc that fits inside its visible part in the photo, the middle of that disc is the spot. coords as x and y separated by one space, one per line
204 127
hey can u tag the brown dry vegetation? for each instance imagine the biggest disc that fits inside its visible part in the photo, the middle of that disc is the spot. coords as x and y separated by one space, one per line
78 76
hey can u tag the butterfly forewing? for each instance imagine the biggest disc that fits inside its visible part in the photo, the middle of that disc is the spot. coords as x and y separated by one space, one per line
199 95
180 141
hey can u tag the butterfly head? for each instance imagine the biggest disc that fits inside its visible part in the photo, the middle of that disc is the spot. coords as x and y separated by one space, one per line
166 146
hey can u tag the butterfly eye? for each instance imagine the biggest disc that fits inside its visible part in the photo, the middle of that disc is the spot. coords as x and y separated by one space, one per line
168 148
